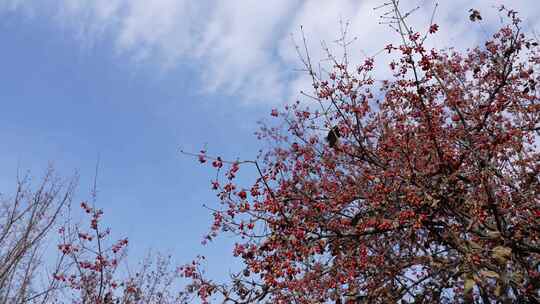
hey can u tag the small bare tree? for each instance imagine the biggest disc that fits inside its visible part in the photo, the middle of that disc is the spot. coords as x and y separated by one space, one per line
25 222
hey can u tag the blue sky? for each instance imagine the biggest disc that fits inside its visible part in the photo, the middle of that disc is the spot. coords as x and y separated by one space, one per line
65 104
133 81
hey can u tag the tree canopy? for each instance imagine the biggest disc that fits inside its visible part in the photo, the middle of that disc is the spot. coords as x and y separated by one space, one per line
423 187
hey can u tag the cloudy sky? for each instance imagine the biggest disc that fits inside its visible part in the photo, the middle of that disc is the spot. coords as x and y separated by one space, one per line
134 80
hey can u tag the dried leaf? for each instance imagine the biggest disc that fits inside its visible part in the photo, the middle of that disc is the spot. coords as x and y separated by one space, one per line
433 202
497 290
493 234
517 277
474 246
489 274
501 254
468 286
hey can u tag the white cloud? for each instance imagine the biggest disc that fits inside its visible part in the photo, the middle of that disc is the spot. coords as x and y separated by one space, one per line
164 28
239 43
243 48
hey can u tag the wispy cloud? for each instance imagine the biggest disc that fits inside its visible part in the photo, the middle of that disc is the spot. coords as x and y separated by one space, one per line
243 48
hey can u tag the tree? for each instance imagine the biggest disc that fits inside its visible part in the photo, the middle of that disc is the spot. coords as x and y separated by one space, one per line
26 220
87 267
431 194
95 276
